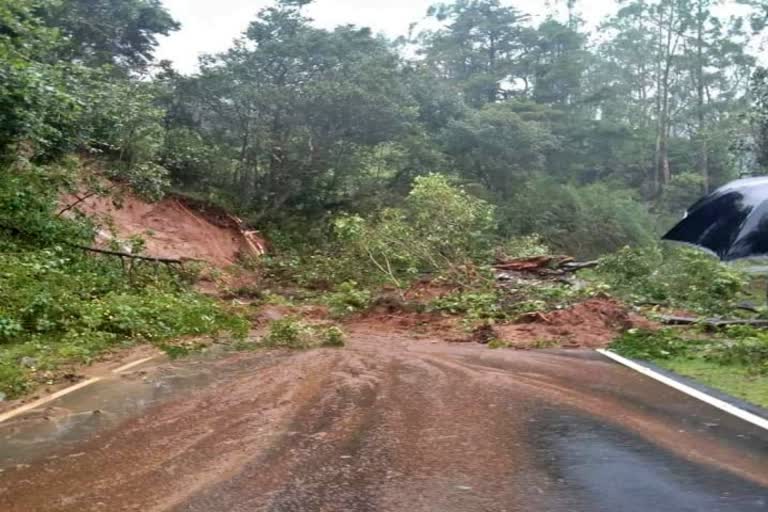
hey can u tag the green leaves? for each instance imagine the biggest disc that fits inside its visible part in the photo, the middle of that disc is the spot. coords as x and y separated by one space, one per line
296 334
736 347
120 33
677 277
348 298
500 144
653 345
439 228
585 222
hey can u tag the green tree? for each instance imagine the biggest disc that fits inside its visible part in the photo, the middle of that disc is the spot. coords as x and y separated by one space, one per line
479 47
298 108
500 145
122 33
38 99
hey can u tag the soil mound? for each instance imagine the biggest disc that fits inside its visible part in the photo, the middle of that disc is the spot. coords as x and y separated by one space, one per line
590 324
175 227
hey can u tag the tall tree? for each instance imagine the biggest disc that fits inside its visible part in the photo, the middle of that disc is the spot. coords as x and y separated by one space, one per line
298 108
478 47
118 32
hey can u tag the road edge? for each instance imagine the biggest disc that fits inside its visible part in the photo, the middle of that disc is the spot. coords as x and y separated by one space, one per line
63 392
747 416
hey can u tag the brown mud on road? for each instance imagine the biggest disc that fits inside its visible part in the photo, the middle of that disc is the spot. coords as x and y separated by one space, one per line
390 423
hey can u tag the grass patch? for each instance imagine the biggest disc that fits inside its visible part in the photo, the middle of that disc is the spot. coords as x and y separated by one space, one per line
294 333
739 381
63 307
734 360
348 298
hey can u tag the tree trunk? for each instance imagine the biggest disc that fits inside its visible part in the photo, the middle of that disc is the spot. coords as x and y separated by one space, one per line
243 177
667 51
659 123
703 150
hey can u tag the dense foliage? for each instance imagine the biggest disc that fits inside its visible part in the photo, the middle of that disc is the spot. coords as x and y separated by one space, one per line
67 87
736 347
685 278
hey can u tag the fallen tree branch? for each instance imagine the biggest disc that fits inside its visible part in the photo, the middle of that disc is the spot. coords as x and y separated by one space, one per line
166 261
575 266
544 265
710 322
81 200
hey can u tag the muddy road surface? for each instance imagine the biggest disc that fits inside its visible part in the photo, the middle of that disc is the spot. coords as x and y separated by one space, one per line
389 423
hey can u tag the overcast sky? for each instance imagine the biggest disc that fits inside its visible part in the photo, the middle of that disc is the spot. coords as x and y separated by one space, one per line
209 26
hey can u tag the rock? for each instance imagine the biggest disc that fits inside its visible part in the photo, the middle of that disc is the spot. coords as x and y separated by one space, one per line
28 362
3 396
485 334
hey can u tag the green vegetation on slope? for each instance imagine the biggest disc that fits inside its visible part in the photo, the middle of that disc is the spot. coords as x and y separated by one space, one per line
366 167
60 304
735 360
65 88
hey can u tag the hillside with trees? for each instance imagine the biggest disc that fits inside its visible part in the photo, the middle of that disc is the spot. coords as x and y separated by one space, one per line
365 161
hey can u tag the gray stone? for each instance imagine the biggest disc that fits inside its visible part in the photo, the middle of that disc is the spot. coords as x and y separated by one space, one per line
28 362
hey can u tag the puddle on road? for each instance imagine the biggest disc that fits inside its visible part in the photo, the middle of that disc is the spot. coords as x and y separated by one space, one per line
59 426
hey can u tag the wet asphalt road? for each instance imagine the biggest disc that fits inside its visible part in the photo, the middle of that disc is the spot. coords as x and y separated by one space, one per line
387 424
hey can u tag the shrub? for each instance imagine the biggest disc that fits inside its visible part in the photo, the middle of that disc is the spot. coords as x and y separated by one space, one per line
745 346
652 345
474 306
295 334
675 276
348 298
439 228
59 304
741 346
581 221
527 246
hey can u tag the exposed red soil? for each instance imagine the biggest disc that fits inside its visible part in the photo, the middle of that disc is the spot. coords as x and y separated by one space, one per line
174 227
591 324
447 328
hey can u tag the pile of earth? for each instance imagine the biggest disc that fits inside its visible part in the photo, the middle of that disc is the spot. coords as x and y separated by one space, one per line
594 323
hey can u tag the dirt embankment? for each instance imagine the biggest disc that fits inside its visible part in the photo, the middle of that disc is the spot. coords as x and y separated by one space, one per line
174 227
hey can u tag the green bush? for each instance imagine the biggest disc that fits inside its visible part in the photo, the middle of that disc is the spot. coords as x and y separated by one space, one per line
652 345
740 346
59 303
439 228
580 221
319 268
527 246
348 298
474 306
673 276
743 346
295 334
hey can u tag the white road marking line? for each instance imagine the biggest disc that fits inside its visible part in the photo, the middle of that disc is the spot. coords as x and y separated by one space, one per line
131 365
80 385
688 390
37 403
